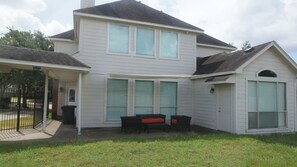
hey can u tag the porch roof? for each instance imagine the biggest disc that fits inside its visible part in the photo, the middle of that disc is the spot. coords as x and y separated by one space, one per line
58 65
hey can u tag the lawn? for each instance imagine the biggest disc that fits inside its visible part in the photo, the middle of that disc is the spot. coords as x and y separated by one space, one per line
217 149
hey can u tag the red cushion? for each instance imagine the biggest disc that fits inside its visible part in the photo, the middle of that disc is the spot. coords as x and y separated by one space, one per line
152 120
174 121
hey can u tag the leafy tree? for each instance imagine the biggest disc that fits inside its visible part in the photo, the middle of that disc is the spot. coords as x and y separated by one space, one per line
246 45
22 79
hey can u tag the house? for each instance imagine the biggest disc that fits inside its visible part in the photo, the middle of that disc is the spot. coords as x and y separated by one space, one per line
144 61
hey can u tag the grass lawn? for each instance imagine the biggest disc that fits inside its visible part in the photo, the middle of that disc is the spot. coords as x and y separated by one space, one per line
218 149
25 122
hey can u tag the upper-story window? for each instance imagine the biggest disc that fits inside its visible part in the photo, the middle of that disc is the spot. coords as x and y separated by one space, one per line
267 73
169 45
118 39
145 42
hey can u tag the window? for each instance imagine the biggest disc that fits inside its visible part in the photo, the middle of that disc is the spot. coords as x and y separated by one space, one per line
118 41
169 45
144 93
168 98
145 42
266 105
117 96
267 73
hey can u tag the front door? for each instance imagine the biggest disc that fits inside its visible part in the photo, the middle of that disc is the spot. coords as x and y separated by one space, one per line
224 107
71 96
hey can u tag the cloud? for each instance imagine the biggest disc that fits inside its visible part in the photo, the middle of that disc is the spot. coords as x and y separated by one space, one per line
23 18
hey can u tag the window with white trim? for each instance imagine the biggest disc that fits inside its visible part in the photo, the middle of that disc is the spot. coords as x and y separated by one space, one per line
117 99
118 39
168 98
145 42
169 44
144 97
266 105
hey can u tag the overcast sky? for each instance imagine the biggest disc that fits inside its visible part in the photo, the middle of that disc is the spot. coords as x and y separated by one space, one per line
233 21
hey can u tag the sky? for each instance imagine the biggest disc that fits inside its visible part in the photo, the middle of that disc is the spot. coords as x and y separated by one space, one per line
232 21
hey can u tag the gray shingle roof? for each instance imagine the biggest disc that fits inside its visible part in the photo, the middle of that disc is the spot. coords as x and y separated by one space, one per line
65 35
224 62
133 10
38 56
208 40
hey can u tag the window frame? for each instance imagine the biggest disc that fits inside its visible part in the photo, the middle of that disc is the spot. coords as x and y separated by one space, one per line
108 40
106 99
154 95
277 82
177 95
135 43
160 45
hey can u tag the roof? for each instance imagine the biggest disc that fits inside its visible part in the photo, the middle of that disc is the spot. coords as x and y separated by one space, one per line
225 62
65 35
38 56
208 40
136 11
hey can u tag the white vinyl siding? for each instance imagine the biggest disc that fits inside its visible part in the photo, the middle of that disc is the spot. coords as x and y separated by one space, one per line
118 41
117 99
144 97
145 42
168 98
169 44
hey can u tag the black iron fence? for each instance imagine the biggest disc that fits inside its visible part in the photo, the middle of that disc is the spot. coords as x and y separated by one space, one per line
14 115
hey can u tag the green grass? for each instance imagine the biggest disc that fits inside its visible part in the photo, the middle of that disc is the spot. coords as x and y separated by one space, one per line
218 149
12 123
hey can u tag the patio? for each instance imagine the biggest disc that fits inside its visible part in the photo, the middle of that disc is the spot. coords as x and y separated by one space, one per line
56 131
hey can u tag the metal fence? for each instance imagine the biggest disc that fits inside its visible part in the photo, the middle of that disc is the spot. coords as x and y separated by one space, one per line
14 115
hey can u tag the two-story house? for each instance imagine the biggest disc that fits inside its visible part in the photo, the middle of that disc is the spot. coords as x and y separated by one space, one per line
145 61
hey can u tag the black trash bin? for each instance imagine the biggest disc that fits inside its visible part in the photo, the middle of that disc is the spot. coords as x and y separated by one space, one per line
68 114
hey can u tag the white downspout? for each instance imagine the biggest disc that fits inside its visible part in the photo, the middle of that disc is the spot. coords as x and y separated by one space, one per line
78 119
45 102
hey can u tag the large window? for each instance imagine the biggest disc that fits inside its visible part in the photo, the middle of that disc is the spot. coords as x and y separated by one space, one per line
169 45
266 105
168 98
117 96
118 41
145 42
144 97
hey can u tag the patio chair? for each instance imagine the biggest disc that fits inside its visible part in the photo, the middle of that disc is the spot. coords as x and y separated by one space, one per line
180 122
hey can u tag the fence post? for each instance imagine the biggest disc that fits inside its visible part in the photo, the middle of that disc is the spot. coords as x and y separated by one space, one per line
18 110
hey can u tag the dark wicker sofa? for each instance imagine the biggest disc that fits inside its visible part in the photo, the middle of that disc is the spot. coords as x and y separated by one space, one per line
152 121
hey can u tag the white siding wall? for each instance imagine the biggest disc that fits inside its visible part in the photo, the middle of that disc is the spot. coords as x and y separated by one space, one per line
93 52
66 47
204 105
269 60
203 51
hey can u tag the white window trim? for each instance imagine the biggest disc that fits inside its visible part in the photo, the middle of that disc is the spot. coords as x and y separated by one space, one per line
134 93
178 46
135 44
105 105
263 79
129 41
267 78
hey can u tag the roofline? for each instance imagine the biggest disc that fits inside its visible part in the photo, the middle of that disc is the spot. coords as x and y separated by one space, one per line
216 46
38 64
136 22
279 49
61 39
212 75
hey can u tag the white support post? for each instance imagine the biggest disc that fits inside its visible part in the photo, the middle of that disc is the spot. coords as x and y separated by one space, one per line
45 102
78 119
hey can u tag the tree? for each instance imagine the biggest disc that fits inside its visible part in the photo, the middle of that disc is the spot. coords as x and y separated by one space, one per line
246 45
22 79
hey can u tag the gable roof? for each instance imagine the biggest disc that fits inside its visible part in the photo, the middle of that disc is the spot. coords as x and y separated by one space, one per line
223 62
64 35
12 54
136 11
205 39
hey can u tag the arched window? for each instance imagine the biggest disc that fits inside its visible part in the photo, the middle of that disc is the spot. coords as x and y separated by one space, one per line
267 73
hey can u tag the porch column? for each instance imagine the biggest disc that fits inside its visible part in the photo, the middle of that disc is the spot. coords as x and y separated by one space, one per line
78 119
45 102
